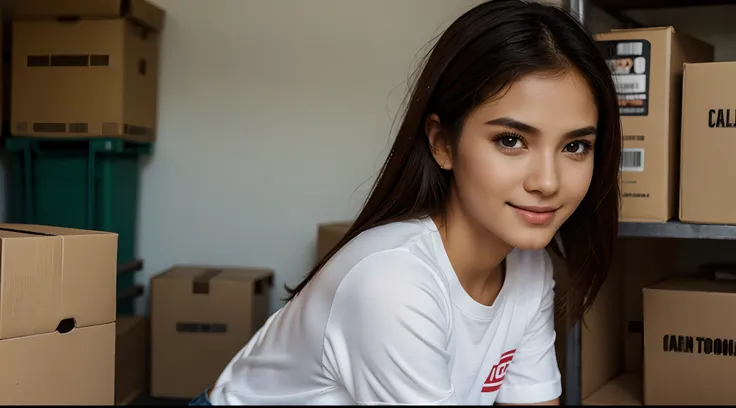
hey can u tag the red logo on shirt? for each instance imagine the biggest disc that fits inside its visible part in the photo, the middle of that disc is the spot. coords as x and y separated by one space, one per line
495 378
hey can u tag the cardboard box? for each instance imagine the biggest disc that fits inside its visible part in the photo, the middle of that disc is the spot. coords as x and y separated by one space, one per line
622 390
612 335
91 73
53 277
75 368
708 143
57 314
200 318
647 65
328 235
689 342
131 358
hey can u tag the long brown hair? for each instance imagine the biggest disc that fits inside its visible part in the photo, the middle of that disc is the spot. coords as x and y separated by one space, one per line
481 53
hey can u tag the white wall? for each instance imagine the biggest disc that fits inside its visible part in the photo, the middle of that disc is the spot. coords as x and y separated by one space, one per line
292 101
274 116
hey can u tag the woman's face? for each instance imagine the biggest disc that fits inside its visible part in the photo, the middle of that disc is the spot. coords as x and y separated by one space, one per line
524 159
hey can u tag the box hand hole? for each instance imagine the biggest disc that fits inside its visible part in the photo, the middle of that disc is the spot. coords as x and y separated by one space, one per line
66 325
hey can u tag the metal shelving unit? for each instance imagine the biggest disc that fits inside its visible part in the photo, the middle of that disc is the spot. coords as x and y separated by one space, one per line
672 229
676 229
655 4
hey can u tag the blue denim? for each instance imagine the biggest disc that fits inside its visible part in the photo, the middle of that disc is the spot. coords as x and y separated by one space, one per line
201 399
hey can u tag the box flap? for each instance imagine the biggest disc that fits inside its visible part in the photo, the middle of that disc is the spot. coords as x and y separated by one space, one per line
694 285
240 274
201 276
244 274
662 28
31 288
138 10
181 272
11 233
50 231
66 8
146 14
697 66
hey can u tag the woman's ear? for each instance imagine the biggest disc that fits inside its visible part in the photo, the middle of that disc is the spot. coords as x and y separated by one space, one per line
438 142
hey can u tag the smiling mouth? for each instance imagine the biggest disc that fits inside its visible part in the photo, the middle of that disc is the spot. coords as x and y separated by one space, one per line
535 209
535 215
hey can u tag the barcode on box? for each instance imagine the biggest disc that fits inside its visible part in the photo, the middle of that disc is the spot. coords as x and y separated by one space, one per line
630 48
632 160
630 83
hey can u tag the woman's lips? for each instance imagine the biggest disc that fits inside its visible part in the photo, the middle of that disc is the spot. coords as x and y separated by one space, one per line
535 215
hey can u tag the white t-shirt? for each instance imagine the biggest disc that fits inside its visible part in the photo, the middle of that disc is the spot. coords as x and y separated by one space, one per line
387 321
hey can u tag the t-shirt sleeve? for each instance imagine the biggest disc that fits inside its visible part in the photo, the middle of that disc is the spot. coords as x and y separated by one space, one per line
533 375
387 334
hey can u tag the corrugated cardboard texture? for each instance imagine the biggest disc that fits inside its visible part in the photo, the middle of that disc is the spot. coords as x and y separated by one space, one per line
77 368
137 10
131 358
708 143
200 318
650 193
697 368
328 235
84 78
52 275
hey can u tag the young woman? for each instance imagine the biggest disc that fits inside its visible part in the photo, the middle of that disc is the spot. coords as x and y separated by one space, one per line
442 291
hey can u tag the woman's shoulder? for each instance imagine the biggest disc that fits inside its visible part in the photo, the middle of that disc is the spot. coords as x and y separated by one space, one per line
395 275
381 272
391 297
399 252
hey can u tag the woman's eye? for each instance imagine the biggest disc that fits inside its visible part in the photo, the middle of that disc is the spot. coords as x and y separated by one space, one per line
574 147
510 142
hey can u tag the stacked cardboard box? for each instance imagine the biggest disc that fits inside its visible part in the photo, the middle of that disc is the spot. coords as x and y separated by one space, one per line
85 68
658 334
647 67
57 316
708 144
613 336
689 342
84 79
131 358
200 318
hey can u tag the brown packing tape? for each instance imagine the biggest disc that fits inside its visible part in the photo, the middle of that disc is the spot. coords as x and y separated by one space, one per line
201 282
198 327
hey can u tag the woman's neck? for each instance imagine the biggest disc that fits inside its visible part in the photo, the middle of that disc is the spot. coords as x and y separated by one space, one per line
476 255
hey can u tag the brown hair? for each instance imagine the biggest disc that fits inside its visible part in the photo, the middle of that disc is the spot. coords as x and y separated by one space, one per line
481 53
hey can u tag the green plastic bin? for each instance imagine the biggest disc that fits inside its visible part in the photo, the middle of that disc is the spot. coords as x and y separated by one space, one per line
87 184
